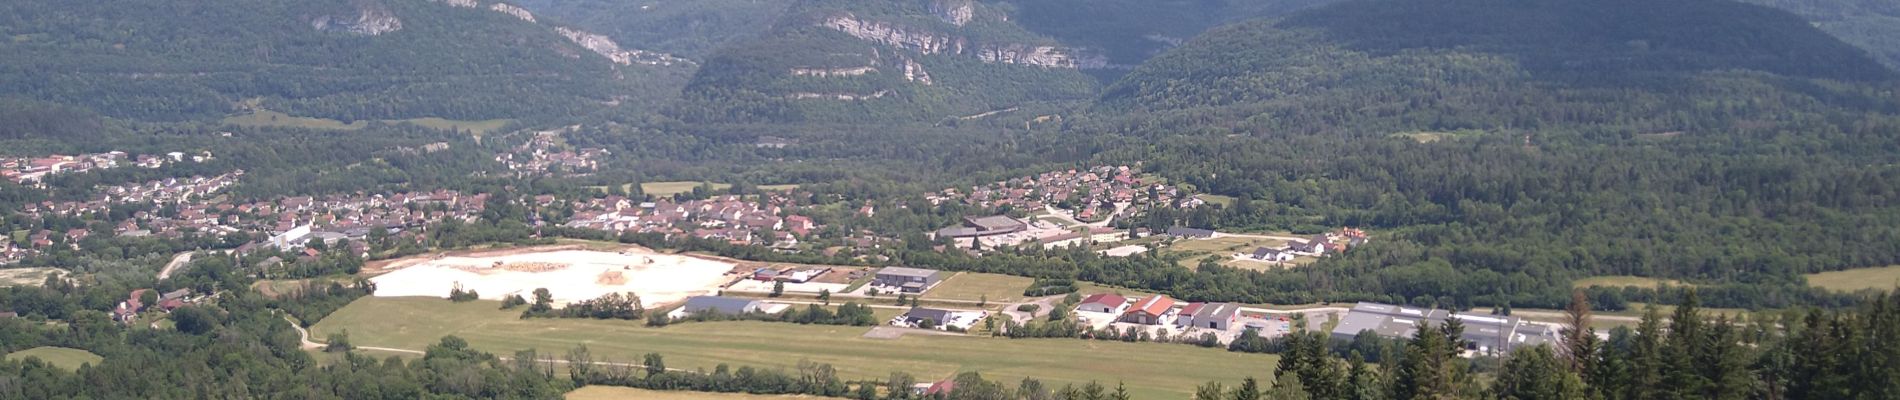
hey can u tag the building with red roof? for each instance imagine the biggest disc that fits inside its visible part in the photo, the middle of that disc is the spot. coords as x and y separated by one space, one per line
1151 310
1103 303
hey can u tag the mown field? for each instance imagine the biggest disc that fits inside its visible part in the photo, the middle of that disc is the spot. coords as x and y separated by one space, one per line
673 188
618 393
1883 278
1150 370
267 118
974 287
25 276
1623 280
67 358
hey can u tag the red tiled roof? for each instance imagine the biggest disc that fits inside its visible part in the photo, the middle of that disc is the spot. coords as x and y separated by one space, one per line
1110 299
1192 308
1153 305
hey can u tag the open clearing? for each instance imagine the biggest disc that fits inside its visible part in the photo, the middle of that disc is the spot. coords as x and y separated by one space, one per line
1151 370
973 287
617 393
25 276
1883 278
673 188
571 275
268 118
66 358
1623 280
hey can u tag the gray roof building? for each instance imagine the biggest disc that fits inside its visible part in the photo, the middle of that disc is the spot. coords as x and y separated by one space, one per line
1484 333
917 315
1182 231
722 305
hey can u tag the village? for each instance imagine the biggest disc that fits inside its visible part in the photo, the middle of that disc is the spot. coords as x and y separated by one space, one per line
35 170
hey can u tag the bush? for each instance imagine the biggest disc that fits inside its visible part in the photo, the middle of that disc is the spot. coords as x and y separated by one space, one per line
1029 308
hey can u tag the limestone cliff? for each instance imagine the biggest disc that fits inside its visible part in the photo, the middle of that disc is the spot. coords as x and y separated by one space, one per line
371 19
956 12
605 46
929 42
509 9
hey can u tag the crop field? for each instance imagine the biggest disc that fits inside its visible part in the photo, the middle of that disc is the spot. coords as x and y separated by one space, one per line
268 118
62 357
1623 280
1884 278
1150 370
974 287
618 393
673 188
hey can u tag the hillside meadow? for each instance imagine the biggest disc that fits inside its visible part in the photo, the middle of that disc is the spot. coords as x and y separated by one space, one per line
1150 370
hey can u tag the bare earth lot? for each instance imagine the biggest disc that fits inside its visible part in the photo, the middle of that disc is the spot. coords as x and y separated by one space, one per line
1151 370
571 275
25 276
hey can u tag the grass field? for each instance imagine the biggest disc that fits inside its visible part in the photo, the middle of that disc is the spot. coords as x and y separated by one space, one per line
1623 280
268 118
1223 201
1150 370
25 276
618 393
62 357
673 188
1884 278
779 188
973 287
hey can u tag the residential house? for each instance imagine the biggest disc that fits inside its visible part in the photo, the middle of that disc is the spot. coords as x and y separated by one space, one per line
1267 254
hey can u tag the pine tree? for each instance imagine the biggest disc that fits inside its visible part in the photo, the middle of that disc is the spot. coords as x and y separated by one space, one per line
1210 391
1536 374
1249 389
1645 379
1684 347
1288 387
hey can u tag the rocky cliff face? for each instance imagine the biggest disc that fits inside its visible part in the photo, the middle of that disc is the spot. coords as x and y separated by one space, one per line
371 19
956 12
458 3
831 72
518 12
601 44
928 42
915 72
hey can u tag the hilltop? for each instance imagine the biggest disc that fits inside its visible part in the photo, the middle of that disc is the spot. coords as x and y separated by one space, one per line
341 59
861 60
1386 66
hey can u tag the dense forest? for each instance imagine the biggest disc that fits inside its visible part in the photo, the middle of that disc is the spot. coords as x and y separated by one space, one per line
193 61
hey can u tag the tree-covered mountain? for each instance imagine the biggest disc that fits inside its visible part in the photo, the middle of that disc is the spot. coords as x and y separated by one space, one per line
1128 32
343 59
692 29
863 60
1380 67
1873 25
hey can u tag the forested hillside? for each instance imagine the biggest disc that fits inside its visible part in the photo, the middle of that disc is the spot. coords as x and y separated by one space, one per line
1382 67
1873 25
1129 32
692 29
347 60
1518 145
870 61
